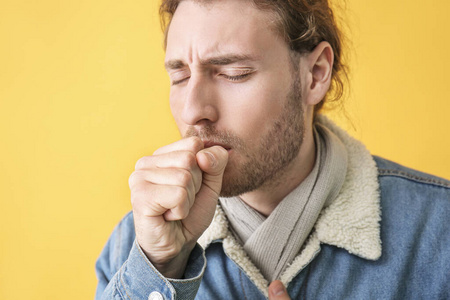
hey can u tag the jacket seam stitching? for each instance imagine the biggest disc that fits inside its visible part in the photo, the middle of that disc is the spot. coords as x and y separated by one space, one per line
406 175
306 280
242 284
118 247
162 278
123 286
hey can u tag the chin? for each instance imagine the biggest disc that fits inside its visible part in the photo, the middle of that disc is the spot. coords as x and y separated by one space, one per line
239 178
236 184
229 184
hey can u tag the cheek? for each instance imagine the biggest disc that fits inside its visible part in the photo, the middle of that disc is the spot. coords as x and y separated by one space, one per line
174 104
176 110
251 110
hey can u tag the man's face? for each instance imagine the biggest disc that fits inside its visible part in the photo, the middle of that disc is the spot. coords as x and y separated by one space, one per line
233 84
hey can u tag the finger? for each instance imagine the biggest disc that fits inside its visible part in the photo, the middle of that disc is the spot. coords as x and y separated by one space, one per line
176 159
170 176
179 159
212 161
193 144
152 200
277 291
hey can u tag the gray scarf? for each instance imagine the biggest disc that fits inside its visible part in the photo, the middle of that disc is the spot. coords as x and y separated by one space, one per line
272 243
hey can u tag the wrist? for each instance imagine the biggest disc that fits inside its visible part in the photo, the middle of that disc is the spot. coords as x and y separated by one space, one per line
175 267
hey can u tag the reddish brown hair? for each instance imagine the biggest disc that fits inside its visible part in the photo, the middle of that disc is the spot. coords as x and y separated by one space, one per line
303 24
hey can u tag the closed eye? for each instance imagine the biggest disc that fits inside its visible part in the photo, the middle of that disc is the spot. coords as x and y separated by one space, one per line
175 82
236 77
228 77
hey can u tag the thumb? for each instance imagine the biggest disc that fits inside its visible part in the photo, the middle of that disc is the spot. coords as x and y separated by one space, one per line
277 291
212 161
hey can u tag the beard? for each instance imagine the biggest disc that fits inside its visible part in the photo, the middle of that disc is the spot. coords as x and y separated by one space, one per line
262 163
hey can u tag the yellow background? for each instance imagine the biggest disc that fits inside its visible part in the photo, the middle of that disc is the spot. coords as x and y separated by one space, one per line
83 95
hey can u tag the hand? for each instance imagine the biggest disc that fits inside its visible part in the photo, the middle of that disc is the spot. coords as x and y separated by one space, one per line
277 291
174 194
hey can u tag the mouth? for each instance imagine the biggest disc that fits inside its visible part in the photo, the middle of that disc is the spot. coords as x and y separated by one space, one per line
209 144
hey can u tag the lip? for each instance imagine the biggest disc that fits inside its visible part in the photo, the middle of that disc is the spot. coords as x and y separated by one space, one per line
209 144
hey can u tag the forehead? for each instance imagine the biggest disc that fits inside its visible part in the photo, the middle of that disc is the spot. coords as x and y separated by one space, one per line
199 30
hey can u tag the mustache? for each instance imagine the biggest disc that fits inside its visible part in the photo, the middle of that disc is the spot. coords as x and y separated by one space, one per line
210 133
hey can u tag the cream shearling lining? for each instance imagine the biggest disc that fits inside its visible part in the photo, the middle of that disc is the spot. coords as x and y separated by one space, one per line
350 222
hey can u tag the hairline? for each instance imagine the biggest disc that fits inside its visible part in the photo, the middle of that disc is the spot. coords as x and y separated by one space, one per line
275 20
275 24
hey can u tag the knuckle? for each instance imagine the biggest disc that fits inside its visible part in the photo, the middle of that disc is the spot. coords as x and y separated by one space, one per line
133 179
196 143
189 160
135 197
184 177
157 151
181 196
139 164
142 162
137 177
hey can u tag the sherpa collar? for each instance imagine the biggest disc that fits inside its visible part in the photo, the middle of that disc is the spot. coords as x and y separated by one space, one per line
351 221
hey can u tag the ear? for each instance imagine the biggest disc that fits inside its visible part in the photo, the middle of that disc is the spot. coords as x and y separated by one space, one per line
318 67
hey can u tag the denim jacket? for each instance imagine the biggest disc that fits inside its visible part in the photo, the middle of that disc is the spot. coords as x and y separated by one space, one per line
386 236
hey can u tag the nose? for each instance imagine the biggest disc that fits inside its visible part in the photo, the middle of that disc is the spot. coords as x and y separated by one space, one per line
199 105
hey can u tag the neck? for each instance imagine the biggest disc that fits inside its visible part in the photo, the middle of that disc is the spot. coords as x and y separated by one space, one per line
266 198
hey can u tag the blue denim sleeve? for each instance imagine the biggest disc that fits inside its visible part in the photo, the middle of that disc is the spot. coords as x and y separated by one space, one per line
133 276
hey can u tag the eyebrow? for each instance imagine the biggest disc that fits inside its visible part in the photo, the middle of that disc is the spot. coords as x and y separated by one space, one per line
222 60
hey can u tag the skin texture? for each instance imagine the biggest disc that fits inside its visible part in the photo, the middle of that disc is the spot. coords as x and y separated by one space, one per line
258 116
277 291
170 190
265 162
244 106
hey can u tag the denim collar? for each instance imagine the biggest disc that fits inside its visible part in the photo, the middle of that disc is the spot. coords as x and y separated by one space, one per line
351 221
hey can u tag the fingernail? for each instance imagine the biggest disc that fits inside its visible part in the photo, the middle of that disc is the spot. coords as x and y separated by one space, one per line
279 290
212 159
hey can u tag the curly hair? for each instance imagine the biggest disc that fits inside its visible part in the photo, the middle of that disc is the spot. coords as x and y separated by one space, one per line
303 24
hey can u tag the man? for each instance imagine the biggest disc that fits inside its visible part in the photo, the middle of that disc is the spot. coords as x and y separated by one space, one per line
300 208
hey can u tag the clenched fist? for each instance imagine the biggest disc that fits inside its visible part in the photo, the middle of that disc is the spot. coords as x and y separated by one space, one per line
174 194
